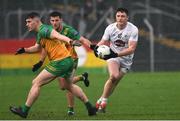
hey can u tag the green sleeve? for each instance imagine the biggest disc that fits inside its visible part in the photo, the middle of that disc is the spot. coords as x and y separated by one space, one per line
74 34
45 31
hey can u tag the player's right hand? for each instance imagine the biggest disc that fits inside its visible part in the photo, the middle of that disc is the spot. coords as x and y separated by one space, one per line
20 51
92 46
111 55
95 51
37 66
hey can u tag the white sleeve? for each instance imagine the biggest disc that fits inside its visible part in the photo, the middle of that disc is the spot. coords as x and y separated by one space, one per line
106 35
134 35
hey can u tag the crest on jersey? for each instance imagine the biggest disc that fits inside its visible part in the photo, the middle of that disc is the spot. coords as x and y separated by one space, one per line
120 35
119 43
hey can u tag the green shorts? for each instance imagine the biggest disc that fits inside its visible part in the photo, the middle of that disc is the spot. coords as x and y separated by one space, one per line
61 68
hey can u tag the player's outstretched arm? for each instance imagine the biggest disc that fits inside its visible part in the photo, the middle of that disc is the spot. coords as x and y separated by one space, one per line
20 51
85 41
56 35
31 49
129 50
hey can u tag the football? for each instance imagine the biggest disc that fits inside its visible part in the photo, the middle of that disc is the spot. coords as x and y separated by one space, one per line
103 50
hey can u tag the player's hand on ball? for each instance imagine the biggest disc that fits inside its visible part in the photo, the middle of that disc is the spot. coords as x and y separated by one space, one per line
37 66
20 51
92 46
111 55
95 51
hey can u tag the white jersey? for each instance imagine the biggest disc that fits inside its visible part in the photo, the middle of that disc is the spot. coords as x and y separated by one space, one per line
119 39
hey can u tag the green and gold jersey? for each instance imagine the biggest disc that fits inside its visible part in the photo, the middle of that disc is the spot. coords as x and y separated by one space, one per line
72 34
56 49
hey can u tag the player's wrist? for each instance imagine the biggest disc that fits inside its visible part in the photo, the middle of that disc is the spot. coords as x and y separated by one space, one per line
93 46
70 41
41 61
117 54
20 51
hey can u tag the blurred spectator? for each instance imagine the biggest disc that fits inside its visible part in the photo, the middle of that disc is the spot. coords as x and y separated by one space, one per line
82 26
89 10
101 6
88 7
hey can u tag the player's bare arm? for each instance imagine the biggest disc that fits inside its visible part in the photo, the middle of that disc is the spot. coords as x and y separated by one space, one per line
102 42
33 49
129 50
55 34
43 55
85 41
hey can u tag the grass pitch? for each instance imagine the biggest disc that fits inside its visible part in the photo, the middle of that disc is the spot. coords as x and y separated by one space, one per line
139 95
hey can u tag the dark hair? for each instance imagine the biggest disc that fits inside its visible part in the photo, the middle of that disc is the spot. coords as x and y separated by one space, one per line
55 13
123 10
33 15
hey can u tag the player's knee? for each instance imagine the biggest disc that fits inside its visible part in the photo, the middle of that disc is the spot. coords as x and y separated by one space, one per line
36 83
114 78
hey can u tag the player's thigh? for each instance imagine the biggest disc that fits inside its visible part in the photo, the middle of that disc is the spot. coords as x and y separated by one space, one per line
44 77
115 72
113 67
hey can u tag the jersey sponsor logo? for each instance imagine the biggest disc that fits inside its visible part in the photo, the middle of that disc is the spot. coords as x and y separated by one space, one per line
123 36
66 31
119 43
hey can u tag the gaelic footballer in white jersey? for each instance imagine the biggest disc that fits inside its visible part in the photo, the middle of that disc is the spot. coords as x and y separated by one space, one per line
122 36
119 41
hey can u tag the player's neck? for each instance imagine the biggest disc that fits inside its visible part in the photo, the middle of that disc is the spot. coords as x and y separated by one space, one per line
121 26
38 26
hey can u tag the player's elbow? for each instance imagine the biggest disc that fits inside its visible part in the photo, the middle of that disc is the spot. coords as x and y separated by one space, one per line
132 50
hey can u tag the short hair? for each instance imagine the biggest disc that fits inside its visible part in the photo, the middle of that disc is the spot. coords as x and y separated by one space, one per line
55 13
123 10
33 15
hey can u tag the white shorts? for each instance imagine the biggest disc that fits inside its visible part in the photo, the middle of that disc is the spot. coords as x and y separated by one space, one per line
125 65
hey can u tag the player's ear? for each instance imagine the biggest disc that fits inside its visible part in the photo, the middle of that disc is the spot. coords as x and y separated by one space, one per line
127 17
61 19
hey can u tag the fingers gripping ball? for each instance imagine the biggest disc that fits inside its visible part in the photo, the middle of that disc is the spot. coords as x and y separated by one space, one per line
102 51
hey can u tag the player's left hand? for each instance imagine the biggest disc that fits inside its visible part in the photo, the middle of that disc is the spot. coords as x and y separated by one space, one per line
111 55
95 50
92 46
37 66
